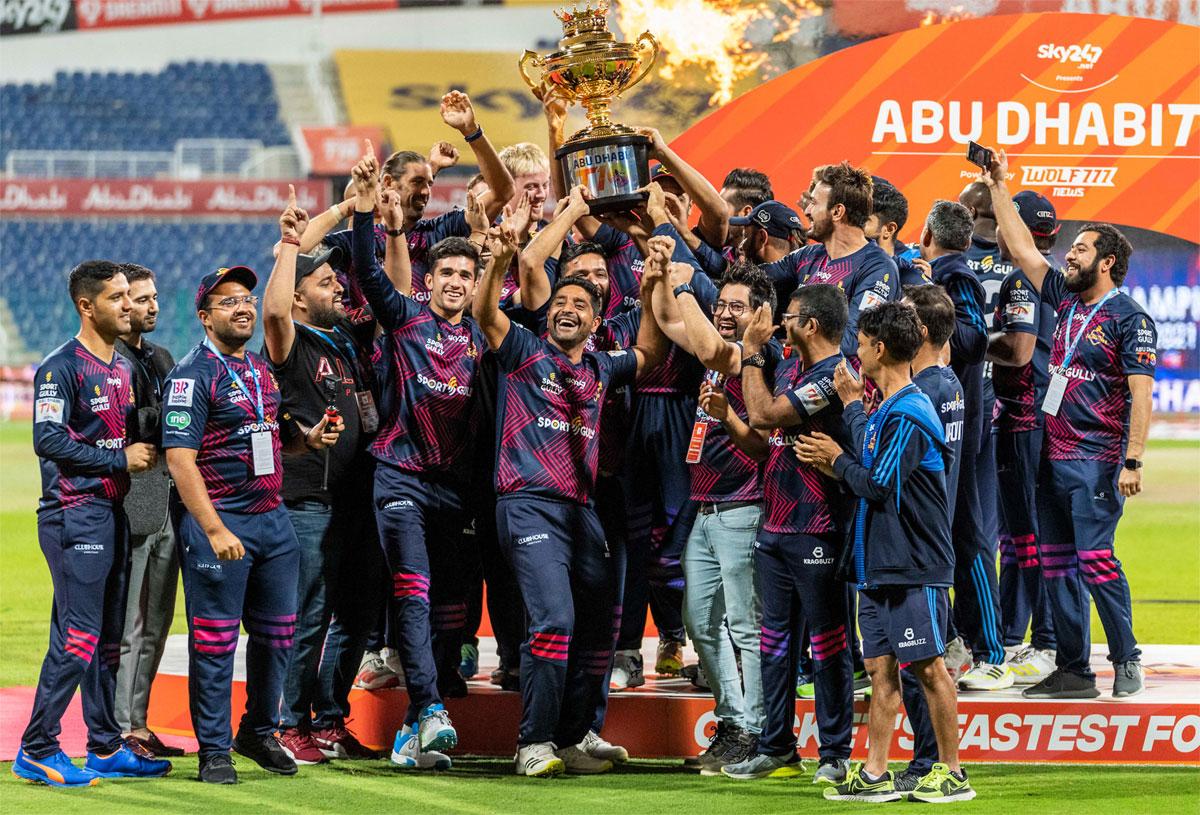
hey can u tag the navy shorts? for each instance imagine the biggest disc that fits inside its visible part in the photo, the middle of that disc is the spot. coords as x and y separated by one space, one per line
907 622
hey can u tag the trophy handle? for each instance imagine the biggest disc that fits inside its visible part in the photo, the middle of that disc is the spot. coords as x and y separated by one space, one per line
645 40
526 58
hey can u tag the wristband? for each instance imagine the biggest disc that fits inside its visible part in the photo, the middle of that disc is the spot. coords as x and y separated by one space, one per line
476 136
685 288
292 241
394 233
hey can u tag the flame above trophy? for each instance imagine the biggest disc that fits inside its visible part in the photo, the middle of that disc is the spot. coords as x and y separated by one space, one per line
592 69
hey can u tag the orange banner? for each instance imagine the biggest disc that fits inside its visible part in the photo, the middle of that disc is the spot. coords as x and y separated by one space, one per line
1099 113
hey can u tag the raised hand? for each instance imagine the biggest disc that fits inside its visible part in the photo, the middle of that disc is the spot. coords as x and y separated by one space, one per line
294 220
658 145
849 386
389 208
998 170
442 155
758 332
458 112
519 219
366 177
477 218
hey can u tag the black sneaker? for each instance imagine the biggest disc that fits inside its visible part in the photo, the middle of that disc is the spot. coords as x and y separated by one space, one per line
217 768
265 751
1063 685
906 782
742 745
717 745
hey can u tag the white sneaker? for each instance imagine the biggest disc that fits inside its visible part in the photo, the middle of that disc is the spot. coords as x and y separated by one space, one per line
957 658
627 671
436 731
391 658
539 761
374 673
597 747
985 676
1031 665
578 762
407 753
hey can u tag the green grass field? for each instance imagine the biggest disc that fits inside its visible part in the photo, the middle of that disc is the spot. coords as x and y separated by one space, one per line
1157 541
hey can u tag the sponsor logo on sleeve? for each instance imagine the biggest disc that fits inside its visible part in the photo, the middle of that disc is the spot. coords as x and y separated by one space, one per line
1021 313
812 398
181 393
178 421
48 409
870 299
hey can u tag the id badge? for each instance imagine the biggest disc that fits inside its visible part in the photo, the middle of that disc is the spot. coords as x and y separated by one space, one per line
263 452
696 445
1054 394
368 416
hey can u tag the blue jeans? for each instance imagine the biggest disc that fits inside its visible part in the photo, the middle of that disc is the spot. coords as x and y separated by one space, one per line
722 611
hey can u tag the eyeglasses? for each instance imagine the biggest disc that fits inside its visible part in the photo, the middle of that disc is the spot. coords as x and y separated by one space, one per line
799 315
234 302
736 308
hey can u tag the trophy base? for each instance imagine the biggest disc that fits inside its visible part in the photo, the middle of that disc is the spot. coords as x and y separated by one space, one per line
612 168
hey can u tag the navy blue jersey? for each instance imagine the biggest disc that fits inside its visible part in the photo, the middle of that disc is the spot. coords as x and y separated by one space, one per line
79 426
910 273
548 415
426 233
1020 390
983 259
946 393
968 344
797 497
431 367
725 472
625 264
206 410
1119 339
867 276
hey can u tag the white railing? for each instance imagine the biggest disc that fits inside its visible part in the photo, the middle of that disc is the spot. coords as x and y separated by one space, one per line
191 159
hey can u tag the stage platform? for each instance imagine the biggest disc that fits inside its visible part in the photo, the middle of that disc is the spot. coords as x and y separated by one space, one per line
668 717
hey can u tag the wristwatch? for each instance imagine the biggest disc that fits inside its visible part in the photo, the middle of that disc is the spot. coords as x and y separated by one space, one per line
394 233
756 360
685 288
1133 464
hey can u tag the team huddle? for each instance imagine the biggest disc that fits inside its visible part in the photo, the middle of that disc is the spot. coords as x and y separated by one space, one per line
783 433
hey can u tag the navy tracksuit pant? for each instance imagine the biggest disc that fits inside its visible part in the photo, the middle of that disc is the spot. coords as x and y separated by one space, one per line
976 586
258 591
1022 591
797 581
1078 510
660 515
487 564
87 550
610 508
569 582
420 528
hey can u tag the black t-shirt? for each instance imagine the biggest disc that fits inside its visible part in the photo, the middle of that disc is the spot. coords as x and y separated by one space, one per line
323 368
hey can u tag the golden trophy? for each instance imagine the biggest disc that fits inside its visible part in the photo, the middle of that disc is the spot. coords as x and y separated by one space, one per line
592 69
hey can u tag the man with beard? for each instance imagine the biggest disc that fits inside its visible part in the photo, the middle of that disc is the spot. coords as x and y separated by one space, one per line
311 348
770 232
742 190
721 606
1019 350
804 525
422 455
944 238
83 406
548 416
154 569
889 214
239 554
1097 407
405 184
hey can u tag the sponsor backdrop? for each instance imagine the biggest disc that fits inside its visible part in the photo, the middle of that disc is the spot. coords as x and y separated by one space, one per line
81 197
1099 113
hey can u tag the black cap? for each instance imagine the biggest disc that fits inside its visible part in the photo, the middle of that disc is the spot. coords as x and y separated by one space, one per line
307 264
778 219
241 274
1037 212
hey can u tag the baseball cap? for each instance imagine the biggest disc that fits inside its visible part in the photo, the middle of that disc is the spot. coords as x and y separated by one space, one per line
778 219
1037 212
241 274
307 264
660 171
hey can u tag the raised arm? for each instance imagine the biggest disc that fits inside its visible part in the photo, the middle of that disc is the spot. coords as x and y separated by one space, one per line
1017 237
531 270
702 339
651 347
486 307
459 113
388 304
321 225
396 263
555 109
279 332
714 215
765 410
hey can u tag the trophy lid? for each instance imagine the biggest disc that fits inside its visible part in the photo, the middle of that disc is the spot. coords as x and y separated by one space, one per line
588 23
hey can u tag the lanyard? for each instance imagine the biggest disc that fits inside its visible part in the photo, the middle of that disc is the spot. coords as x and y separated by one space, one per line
237 380
1072 342
349 356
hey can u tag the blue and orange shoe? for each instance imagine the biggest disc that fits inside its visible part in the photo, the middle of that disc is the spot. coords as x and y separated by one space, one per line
56 771
124 763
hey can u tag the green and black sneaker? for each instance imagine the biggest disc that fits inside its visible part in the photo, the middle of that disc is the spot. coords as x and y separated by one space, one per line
856 787
941 786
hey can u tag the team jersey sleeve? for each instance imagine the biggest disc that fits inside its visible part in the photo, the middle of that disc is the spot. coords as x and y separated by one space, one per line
624 327
519 344
910 273
854 417
620 367
53 438
1139 344
391 308
782 274
902 446
186 408
452 224
968 343
1054 287
872 287
712 262
1016 306
813 397
610 239
343 241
